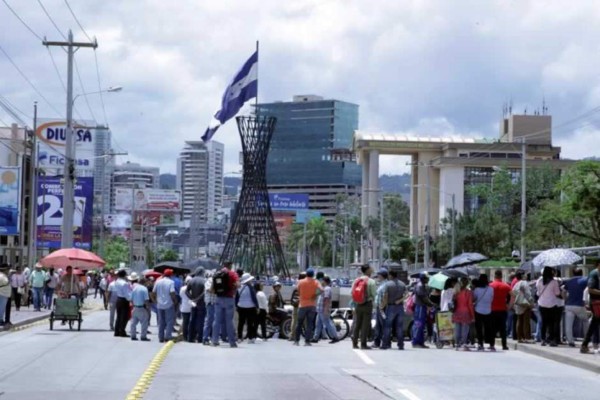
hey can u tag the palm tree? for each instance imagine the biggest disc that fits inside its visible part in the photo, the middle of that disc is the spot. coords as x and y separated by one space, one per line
317 239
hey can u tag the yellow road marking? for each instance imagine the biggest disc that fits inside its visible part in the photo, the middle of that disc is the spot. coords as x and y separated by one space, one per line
147 377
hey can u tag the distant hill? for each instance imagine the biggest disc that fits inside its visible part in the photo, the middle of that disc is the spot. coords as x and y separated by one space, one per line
396 184
167 181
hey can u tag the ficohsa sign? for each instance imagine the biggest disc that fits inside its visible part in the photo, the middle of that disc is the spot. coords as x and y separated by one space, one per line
52 139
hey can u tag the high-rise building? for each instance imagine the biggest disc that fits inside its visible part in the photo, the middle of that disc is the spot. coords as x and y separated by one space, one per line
102 167
200 176
129 174
310 150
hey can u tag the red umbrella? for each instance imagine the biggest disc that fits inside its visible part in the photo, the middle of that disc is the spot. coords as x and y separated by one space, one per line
149 273
76 258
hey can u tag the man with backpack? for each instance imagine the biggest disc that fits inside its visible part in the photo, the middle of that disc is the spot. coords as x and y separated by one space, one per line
195 292
363 295
224 285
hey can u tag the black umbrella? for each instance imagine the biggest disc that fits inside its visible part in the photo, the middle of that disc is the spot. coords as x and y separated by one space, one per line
465 259
206 263
462 272
430 271
176 266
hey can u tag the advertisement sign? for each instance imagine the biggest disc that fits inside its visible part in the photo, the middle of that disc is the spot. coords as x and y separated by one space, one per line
283 224
150 218
52 145
117 221
303 216
50 212
288 201
10 200
148 200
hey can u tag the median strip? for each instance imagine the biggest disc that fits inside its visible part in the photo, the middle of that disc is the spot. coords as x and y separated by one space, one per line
147 377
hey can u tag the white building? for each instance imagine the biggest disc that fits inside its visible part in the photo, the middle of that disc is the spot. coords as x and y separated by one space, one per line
200 175
129 174
102 167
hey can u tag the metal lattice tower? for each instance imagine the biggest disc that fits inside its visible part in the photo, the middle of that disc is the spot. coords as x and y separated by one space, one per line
253 243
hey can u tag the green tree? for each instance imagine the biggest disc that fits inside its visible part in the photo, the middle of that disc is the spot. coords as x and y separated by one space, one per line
116 251
575 208
167 255
318 238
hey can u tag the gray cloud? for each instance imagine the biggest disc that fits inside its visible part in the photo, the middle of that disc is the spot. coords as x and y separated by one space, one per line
430 67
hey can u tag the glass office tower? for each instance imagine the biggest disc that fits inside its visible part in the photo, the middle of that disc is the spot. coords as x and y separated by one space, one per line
311 143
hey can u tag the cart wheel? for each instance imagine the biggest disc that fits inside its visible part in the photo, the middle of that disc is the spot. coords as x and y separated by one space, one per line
439 345
51 320
79 322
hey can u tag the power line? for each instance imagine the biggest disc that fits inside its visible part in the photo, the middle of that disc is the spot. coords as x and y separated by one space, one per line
51 20
83 92
29 81
12 106
100 88
22 21
78 23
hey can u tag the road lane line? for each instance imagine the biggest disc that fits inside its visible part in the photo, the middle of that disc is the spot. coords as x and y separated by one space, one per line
408 394
364 357
147 377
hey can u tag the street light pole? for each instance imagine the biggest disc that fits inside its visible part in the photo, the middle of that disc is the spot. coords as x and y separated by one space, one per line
33 173
453 225
523 199
381 230
426 255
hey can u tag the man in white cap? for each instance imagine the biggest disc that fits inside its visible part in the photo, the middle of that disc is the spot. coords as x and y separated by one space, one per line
140 299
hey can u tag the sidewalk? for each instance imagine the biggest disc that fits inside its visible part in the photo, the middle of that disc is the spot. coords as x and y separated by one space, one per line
25 316
563 354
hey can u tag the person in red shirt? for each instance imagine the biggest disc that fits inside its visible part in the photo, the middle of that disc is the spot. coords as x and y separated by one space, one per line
503 299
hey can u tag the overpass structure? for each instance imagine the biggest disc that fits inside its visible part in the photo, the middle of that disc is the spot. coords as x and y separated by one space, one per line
445 168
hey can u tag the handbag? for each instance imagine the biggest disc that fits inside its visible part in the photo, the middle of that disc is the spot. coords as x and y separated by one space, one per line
21 290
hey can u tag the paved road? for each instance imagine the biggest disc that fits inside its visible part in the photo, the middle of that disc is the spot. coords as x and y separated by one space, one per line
39 364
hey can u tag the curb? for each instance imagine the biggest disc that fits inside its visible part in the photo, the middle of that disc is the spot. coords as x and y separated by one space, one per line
572 361
24 324
143 384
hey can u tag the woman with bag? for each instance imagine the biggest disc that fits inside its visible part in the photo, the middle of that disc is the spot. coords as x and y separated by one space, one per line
464 314
523 305
17 283
247 305
549 293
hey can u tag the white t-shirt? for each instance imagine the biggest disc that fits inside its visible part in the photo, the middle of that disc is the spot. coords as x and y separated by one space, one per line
185 306
263 303
547 294
446 298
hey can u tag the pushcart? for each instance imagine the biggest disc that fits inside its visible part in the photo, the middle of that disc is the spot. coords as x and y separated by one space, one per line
443 329
67 310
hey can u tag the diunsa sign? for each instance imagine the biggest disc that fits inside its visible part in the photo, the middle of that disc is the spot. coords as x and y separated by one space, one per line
52 136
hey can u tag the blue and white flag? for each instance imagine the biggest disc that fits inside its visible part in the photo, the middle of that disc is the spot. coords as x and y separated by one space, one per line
243 88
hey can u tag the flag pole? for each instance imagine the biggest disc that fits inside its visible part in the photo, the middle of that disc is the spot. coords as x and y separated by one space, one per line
256 98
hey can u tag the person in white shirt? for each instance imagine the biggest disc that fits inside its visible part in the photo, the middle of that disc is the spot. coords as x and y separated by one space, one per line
447 295
548 291
17 283
263 309
186 309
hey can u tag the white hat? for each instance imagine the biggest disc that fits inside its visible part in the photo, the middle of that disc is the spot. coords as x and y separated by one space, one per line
246 278
134 276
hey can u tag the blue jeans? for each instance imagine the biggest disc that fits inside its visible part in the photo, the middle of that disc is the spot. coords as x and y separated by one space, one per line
48 295
461 334
394 317
318 328
196 328
37 298
324 322
3 302
305 313
166 320
224 310
208 322
420 321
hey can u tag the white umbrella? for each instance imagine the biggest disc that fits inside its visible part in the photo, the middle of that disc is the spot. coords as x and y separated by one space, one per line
555 258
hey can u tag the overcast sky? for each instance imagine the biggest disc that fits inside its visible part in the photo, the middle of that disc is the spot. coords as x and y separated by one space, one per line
423 66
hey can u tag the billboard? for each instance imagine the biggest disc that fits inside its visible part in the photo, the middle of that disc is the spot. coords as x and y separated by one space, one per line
148 200
117 221
50 212
51 137
288 201
10 200
303 216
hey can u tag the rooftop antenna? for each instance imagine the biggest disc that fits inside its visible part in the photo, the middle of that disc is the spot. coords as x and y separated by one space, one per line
510 107
544 108
525 111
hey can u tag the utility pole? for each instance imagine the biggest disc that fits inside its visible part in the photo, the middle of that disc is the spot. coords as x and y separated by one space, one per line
523 199
69 171
334 244
33 174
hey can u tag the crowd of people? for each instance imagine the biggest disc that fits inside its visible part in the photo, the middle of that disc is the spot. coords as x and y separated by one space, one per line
36 287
